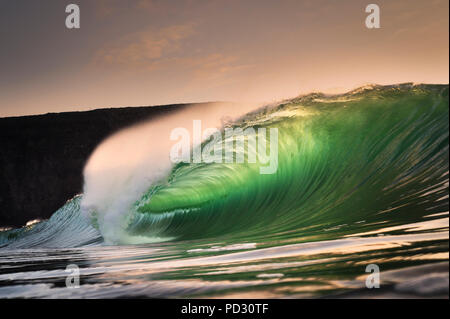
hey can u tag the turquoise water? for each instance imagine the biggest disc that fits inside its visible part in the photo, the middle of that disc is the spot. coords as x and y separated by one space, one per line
362 179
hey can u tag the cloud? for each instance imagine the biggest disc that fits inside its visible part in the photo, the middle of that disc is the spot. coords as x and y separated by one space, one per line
214 65
108 8
144 48
165 49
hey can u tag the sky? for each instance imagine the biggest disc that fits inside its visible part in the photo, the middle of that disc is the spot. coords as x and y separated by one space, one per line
153 52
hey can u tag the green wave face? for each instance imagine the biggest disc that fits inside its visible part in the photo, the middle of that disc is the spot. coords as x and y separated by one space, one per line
375 155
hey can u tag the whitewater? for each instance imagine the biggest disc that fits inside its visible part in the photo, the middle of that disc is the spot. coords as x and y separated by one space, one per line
362 178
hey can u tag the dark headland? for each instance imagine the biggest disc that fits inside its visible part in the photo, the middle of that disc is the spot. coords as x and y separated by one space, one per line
42 157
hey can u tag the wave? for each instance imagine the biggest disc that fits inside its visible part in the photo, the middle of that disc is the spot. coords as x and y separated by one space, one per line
67 227
346 164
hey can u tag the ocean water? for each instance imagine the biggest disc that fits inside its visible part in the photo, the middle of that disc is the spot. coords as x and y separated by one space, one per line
362 179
